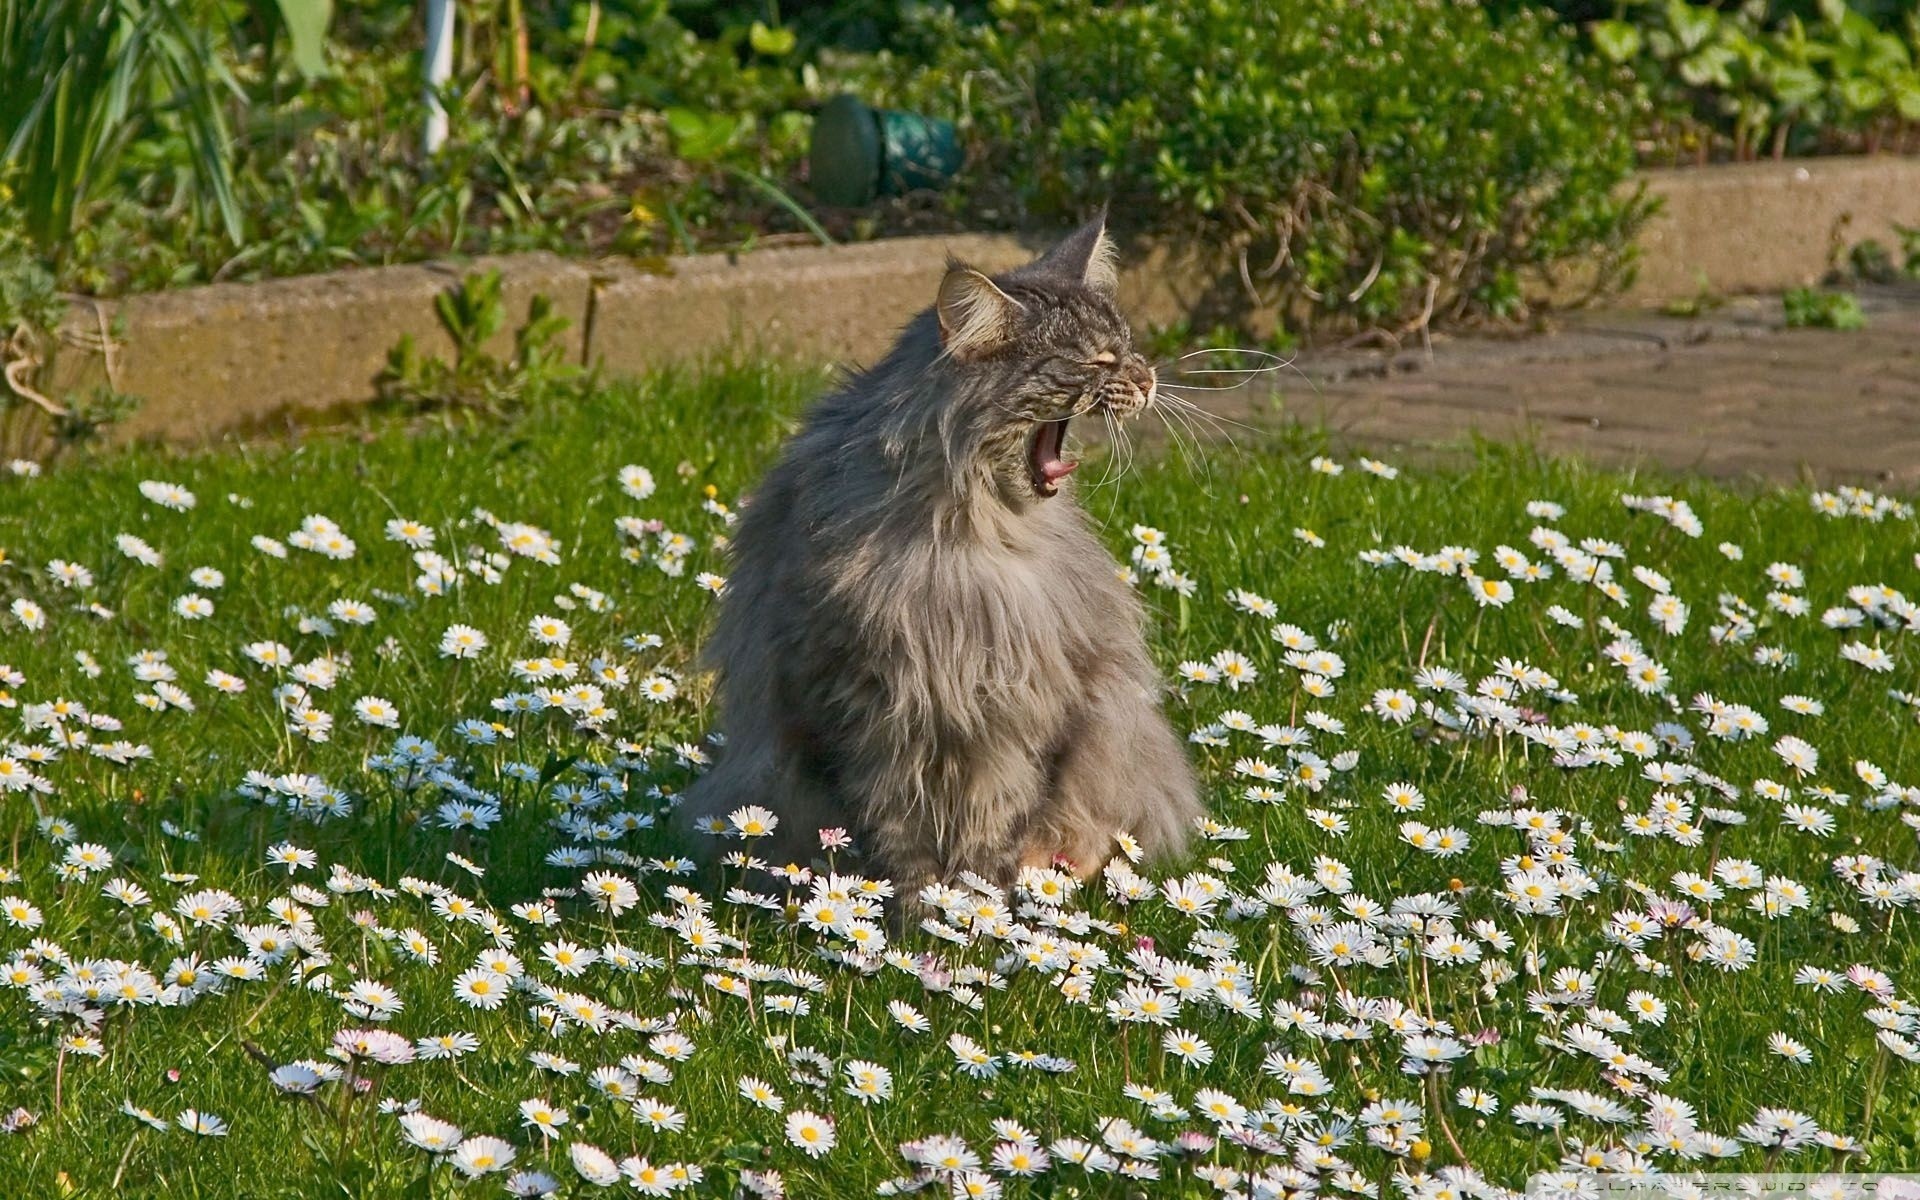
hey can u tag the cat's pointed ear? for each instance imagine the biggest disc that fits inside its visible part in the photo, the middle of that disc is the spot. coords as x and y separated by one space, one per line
1085 256
976 317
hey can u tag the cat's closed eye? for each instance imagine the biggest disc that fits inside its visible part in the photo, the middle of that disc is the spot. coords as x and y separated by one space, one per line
1105 358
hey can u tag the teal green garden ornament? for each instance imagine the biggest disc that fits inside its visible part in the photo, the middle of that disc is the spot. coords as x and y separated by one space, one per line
860 153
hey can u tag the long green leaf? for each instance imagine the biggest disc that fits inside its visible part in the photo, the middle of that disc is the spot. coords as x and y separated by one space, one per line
779 196
85 78
306 22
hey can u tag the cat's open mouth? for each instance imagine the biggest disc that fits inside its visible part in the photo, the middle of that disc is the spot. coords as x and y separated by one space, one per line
1043 456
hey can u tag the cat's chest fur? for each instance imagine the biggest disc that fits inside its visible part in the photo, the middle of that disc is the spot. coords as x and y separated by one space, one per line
1018 618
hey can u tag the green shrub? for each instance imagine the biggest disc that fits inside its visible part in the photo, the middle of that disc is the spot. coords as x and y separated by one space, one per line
1814 77
474 380
1370 163
608 128
1810 308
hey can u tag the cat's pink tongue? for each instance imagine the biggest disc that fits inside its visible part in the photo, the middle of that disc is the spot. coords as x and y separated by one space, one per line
1043 456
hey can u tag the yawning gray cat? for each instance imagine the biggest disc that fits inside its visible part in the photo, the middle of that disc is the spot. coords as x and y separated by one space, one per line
920 639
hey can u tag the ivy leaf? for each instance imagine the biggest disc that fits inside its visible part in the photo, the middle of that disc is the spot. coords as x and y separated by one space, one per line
1906 97
705 136
770 41
1692 26
1617 41
1797 85
1862 95
1708 67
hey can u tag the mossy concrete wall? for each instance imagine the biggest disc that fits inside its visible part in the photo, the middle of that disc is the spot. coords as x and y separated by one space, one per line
209 360
1765 227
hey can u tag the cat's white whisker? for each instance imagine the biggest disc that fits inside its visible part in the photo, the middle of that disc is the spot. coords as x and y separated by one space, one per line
1188 454
1229 350
1113 438
1204 387
1120 459
1183 405
1273 362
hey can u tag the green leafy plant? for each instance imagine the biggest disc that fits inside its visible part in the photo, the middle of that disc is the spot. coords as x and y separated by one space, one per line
1703 301
1354 177
1870 260
84 78
1811 308
1344 168
474 379
1909 249
630 135
1829 74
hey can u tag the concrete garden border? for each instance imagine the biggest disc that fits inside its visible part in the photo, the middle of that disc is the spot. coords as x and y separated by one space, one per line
212 359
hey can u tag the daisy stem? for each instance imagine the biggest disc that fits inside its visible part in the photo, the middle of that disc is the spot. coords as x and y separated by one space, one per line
1874 1082
1266 955
1426 641
120 1171
271 993
1440 1115
1679 970
340 1114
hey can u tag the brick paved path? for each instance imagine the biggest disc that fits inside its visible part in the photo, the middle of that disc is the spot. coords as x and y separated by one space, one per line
1731 394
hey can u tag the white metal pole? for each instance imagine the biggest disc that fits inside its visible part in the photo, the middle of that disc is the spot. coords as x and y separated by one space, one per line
439 69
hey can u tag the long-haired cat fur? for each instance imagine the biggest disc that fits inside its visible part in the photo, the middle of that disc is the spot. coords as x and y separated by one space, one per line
921 641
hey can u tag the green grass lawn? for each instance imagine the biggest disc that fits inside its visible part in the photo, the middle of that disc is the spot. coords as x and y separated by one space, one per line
1601 944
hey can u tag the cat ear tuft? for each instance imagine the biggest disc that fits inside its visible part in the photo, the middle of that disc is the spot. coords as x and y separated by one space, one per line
1085 256
976 317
